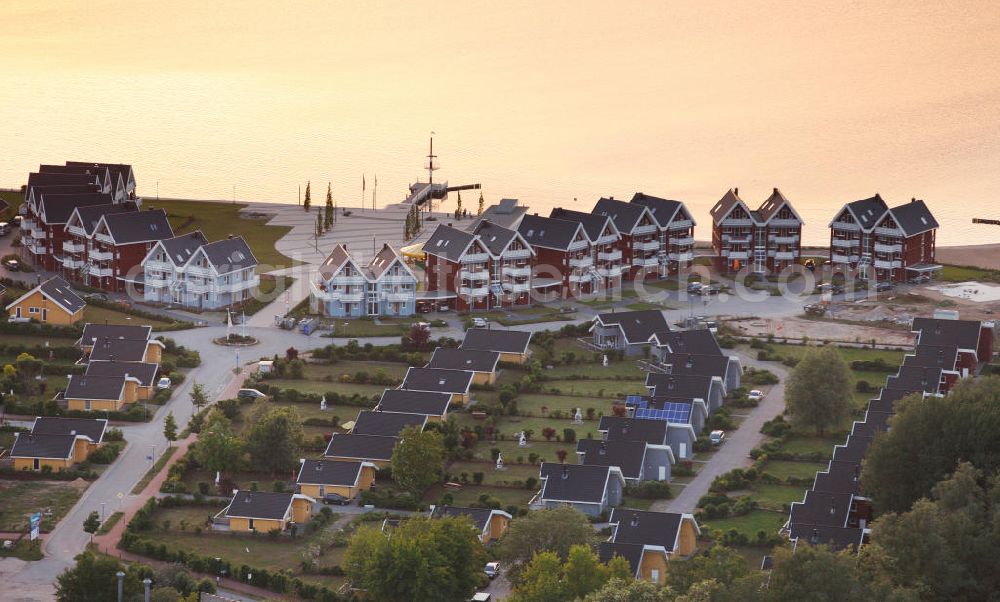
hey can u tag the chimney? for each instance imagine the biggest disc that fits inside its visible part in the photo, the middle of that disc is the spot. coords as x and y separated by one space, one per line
814 538
690 361
73 432
635 521
833 508
775 190
449 224
913 199
736 191
604 448
565 471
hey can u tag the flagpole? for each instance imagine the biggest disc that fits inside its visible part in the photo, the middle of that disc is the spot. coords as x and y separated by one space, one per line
374 192
362 192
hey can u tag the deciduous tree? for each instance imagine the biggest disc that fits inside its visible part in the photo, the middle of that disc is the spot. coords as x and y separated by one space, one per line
551 530
417 459
92 524
218 449
170 428
93 578
198 396
818 392
275 439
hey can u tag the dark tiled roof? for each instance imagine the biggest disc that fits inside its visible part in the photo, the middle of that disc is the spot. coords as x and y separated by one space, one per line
770 207
963 334
138 226
361 447
644 527
822 508
27 445
114 331
663 210
329 472
480 517
88 427
119 350
259 504
626 216
574 482
91 215
593 224
334 261
698 342
548 232
507 213
629 551
430 403
145 372
382 261
868 212
495 237
913 217
387 424
916 378
448 242
689 363
840 477
725 204
933 356
626 455
496 339
637 326
180 248
61 179
95 387
679 386
230 254
476 360
853 450
622 428
40 191
58 207
886 401
59 291
838 538
430 379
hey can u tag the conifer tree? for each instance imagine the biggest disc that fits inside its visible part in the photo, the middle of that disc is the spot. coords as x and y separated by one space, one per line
458 206
308 200
329 205
480 211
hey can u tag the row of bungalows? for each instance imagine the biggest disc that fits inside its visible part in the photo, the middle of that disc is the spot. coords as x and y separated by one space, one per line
427 394
348 287
835 511
122 363
57 444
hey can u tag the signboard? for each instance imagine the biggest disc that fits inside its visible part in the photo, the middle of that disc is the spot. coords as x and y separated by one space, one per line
34 522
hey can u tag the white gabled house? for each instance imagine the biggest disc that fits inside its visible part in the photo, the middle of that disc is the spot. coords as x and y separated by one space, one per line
345 288
187 270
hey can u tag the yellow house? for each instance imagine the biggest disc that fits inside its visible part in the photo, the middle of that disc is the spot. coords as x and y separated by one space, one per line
376 449
648 540
482 363
264 511
454 382
143 371
58 443
431 404
320 477
512 345
490 524
51 302
101 393
388 424
120 343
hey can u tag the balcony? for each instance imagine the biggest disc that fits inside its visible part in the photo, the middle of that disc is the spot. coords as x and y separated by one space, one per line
886 264
784 240
580 277
98 255
615 255
337 280
400 297
71 246
479 274
681 224
517 287
845 227
607 239
517 254
27 224
162 266
742 255
516 272
784 223
581 262
647 262
71 263
685 241
610 272
785 255
36 248
689 256
649 245
351 297
100 272
848 243
150 281
889 232
741 239
579 245
736 223
102 237
394 279
239 285
475 258
23 209
643 230
470 291
76 231
38 232
839 258
196 287
883 248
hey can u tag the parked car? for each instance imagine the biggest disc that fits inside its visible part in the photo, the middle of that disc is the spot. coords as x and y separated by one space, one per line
163 383
335 499
713 289
694 287
480 322
12 265
249 394
755 395
492 569
717 437
482 597
884 286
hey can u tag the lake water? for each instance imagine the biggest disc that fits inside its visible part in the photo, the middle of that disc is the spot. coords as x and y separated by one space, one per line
547 102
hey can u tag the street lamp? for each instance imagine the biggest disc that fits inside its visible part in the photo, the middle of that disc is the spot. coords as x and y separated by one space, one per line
121 584
102 513
145 584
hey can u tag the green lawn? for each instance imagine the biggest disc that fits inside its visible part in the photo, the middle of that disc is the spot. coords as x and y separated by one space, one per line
492 476
14 199
469 494
636 503
748 524
394 370
19 499
219 220
774 497
628 369
311 410
783 469
362 327
560 346
322 388
41 340
101 315
511 450
509 426
955 273
613 389
533 403
850 354
806 445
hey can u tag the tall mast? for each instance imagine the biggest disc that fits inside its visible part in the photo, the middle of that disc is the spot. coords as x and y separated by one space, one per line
430 175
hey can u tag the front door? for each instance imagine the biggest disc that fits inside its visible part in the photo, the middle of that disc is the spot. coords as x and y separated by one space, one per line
17 312
372 303
45 314
36 464
322 490
683 448
663 473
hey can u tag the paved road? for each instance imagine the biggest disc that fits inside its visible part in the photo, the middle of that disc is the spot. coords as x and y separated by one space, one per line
735 452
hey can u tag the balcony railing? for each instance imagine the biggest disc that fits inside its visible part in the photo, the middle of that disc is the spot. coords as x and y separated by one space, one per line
397 279
342 280
784 223
100 272
785 255
610 255
239 285
845 227
783 240
736 223
400 297
480 274
647 262
607 239
163 266
98 255
469 291
198 271
517 271
517 254
475 258
839 258
71 246
581 262
841 243
689 256
517 287
886 264
682 242
38 232
72 263
681 224
76 231
650 245
36 248
889 232
610 272
744 255
104 238
578 245
743 239
883 248
643 230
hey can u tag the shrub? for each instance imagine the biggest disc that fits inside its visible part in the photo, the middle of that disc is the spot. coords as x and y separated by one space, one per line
776 427
650 490
569 435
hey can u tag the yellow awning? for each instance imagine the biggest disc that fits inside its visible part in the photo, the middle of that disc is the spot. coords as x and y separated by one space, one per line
414 251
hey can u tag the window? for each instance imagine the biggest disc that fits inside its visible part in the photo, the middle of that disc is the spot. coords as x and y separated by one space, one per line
654 575
250 524
32 310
